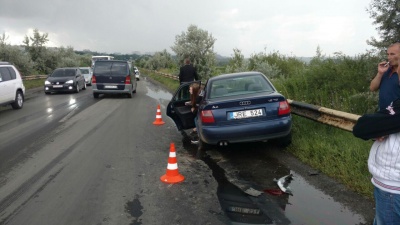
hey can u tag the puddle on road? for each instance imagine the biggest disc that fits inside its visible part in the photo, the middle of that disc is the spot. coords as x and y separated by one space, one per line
307 205
157 93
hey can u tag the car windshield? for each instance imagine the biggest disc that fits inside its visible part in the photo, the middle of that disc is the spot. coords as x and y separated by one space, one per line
110 68
232 86
84 71
63 73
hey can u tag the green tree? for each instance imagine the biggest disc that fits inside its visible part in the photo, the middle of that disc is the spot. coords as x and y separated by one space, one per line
16 56
198 44
237 63
386 14
35 45
160 60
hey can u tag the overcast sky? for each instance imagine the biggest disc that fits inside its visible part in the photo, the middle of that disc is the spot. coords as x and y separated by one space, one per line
292 27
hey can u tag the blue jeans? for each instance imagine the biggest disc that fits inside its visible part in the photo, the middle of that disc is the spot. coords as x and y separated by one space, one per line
195 123
387 208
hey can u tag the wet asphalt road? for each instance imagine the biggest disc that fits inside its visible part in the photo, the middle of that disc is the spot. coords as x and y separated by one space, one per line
71 159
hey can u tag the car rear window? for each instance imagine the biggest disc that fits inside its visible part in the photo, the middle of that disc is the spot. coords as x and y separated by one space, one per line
63 73
233 86
84 71
111 68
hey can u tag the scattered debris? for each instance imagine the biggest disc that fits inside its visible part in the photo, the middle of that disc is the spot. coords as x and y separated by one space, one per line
284 182
273 191
253 192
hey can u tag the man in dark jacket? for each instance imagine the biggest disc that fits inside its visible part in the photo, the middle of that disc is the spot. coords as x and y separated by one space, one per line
187 73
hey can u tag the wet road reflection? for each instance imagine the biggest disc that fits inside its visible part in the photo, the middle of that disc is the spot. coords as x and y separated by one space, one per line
157 93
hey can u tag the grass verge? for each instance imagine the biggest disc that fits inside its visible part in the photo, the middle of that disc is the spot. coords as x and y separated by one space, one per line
29 84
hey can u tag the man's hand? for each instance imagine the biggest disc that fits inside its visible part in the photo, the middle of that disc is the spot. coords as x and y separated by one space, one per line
380 139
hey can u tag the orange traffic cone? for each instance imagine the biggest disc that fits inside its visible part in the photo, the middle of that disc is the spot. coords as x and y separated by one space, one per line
158 120
172 175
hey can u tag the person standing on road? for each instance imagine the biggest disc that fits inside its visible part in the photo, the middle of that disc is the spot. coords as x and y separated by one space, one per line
384 156
188 72
387 78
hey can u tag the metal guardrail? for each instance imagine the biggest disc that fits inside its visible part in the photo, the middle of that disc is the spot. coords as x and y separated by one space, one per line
34 77
335 118
339 119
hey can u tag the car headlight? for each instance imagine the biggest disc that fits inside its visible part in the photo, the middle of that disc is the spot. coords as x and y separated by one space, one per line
69 82
47 82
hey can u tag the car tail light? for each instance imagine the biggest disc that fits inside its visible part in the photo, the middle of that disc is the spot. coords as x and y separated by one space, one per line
93 79
284 108
128 80
207 116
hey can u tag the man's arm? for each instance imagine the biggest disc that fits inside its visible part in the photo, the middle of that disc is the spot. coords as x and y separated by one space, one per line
376 82
196 76
180 75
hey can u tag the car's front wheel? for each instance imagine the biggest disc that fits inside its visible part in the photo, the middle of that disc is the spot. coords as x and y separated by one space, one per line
84 86
19 100
77 89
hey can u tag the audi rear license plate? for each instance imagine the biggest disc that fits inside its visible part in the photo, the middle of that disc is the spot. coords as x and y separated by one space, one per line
246 114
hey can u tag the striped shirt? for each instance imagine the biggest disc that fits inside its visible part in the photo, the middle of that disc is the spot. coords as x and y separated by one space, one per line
384 164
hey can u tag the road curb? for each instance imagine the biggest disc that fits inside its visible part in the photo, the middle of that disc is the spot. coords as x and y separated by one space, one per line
33 91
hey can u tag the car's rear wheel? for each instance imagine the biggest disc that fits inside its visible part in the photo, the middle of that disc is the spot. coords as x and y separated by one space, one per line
285 141
95 95
19 100
129 95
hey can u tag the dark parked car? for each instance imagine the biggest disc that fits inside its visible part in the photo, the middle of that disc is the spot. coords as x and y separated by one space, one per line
237 107
113 77
68 79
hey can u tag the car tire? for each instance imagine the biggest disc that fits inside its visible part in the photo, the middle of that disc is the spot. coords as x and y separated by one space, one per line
95 95
84 86
77 88
202 146
129 95
134 91
285 141
47 93
19 100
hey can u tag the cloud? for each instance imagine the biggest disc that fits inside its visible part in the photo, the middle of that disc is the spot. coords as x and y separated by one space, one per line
295 27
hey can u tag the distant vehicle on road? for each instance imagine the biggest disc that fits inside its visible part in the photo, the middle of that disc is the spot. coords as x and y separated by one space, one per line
101 57
87 74
113 77
237 107
66 79
137 73
12 89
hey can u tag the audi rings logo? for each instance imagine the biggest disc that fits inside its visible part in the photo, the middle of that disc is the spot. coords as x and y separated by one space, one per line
243 103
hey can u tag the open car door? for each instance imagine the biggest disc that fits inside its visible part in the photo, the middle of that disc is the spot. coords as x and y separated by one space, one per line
178 111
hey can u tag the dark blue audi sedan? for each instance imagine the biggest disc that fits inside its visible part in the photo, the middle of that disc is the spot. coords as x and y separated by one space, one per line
236 107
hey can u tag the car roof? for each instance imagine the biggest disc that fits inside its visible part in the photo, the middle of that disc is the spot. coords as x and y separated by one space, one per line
233 75
5 63
111 61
